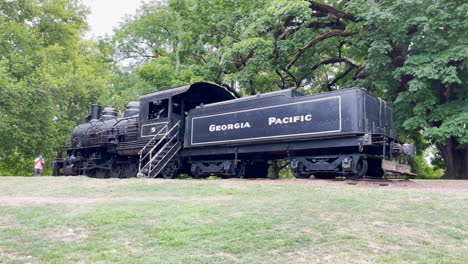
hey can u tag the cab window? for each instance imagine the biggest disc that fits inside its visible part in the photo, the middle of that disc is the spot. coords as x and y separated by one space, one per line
157 109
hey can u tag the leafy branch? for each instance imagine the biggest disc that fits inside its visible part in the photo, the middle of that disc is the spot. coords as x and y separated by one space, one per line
316 40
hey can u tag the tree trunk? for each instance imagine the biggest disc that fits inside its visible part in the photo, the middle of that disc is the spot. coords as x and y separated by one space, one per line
277 166
276 169
456 159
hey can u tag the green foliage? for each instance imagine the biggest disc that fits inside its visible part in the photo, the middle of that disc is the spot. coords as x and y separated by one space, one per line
411 53
436 61
425 171
48 78
418 53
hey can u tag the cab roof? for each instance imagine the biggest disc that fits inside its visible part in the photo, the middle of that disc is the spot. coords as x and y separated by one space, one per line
193 94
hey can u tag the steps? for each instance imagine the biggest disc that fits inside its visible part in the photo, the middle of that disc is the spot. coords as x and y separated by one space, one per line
159 153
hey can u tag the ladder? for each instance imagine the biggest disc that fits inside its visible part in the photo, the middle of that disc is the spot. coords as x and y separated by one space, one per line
153 161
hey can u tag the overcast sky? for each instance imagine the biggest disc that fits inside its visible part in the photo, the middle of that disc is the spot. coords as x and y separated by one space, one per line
106 14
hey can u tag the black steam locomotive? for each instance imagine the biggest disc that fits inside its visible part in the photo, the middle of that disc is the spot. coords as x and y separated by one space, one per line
202 129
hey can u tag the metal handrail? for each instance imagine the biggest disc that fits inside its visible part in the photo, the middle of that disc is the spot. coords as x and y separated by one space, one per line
159 151
151 140
162 139
157 154
147 144
150 152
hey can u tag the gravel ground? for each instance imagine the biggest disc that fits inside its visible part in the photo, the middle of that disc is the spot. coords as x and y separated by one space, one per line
436 186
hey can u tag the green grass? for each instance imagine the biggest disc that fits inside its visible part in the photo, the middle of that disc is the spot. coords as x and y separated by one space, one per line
83 220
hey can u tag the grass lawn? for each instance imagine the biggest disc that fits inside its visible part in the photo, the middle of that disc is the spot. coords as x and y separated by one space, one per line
84 220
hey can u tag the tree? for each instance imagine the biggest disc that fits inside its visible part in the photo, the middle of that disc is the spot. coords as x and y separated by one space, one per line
411 53
48 78
422 45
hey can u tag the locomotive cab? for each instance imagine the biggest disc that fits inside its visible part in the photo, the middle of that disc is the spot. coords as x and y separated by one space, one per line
162 125
163 109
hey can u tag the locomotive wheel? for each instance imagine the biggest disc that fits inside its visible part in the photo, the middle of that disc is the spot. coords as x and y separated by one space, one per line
361 169
117 171
91 173
170 171
130 170
102 173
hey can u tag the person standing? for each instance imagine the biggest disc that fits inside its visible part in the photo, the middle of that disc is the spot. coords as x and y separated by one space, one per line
38 164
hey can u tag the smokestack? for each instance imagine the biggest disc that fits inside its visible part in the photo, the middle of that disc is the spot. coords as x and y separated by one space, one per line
95 111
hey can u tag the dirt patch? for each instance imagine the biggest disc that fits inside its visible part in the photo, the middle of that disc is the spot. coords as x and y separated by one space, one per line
14 257
68 234
435 186
232 186
46 200
7 221
222 256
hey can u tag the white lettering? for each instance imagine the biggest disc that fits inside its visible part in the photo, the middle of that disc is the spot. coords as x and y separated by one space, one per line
271 120
224 127
289 119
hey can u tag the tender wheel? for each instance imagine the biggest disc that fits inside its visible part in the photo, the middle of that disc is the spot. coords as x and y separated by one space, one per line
196 173
170 171
297 172
299 175
324 176
361 169
239 170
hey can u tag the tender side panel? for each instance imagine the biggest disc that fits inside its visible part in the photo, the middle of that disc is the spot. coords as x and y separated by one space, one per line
290 120
378 116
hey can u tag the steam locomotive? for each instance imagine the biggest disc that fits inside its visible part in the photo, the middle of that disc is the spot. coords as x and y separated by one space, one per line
202 129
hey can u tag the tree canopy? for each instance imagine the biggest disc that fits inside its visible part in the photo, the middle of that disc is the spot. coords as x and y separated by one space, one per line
411 53
48 77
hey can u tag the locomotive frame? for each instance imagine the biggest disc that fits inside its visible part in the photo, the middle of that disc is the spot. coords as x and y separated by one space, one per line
202 129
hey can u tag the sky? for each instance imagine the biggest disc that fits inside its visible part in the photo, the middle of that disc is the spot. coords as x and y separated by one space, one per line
106 14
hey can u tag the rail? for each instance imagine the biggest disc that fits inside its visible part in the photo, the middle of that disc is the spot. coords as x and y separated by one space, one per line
150 152
152 140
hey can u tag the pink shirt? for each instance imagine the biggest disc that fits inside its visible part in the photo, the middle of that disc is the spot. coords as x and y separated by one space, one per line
38 163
